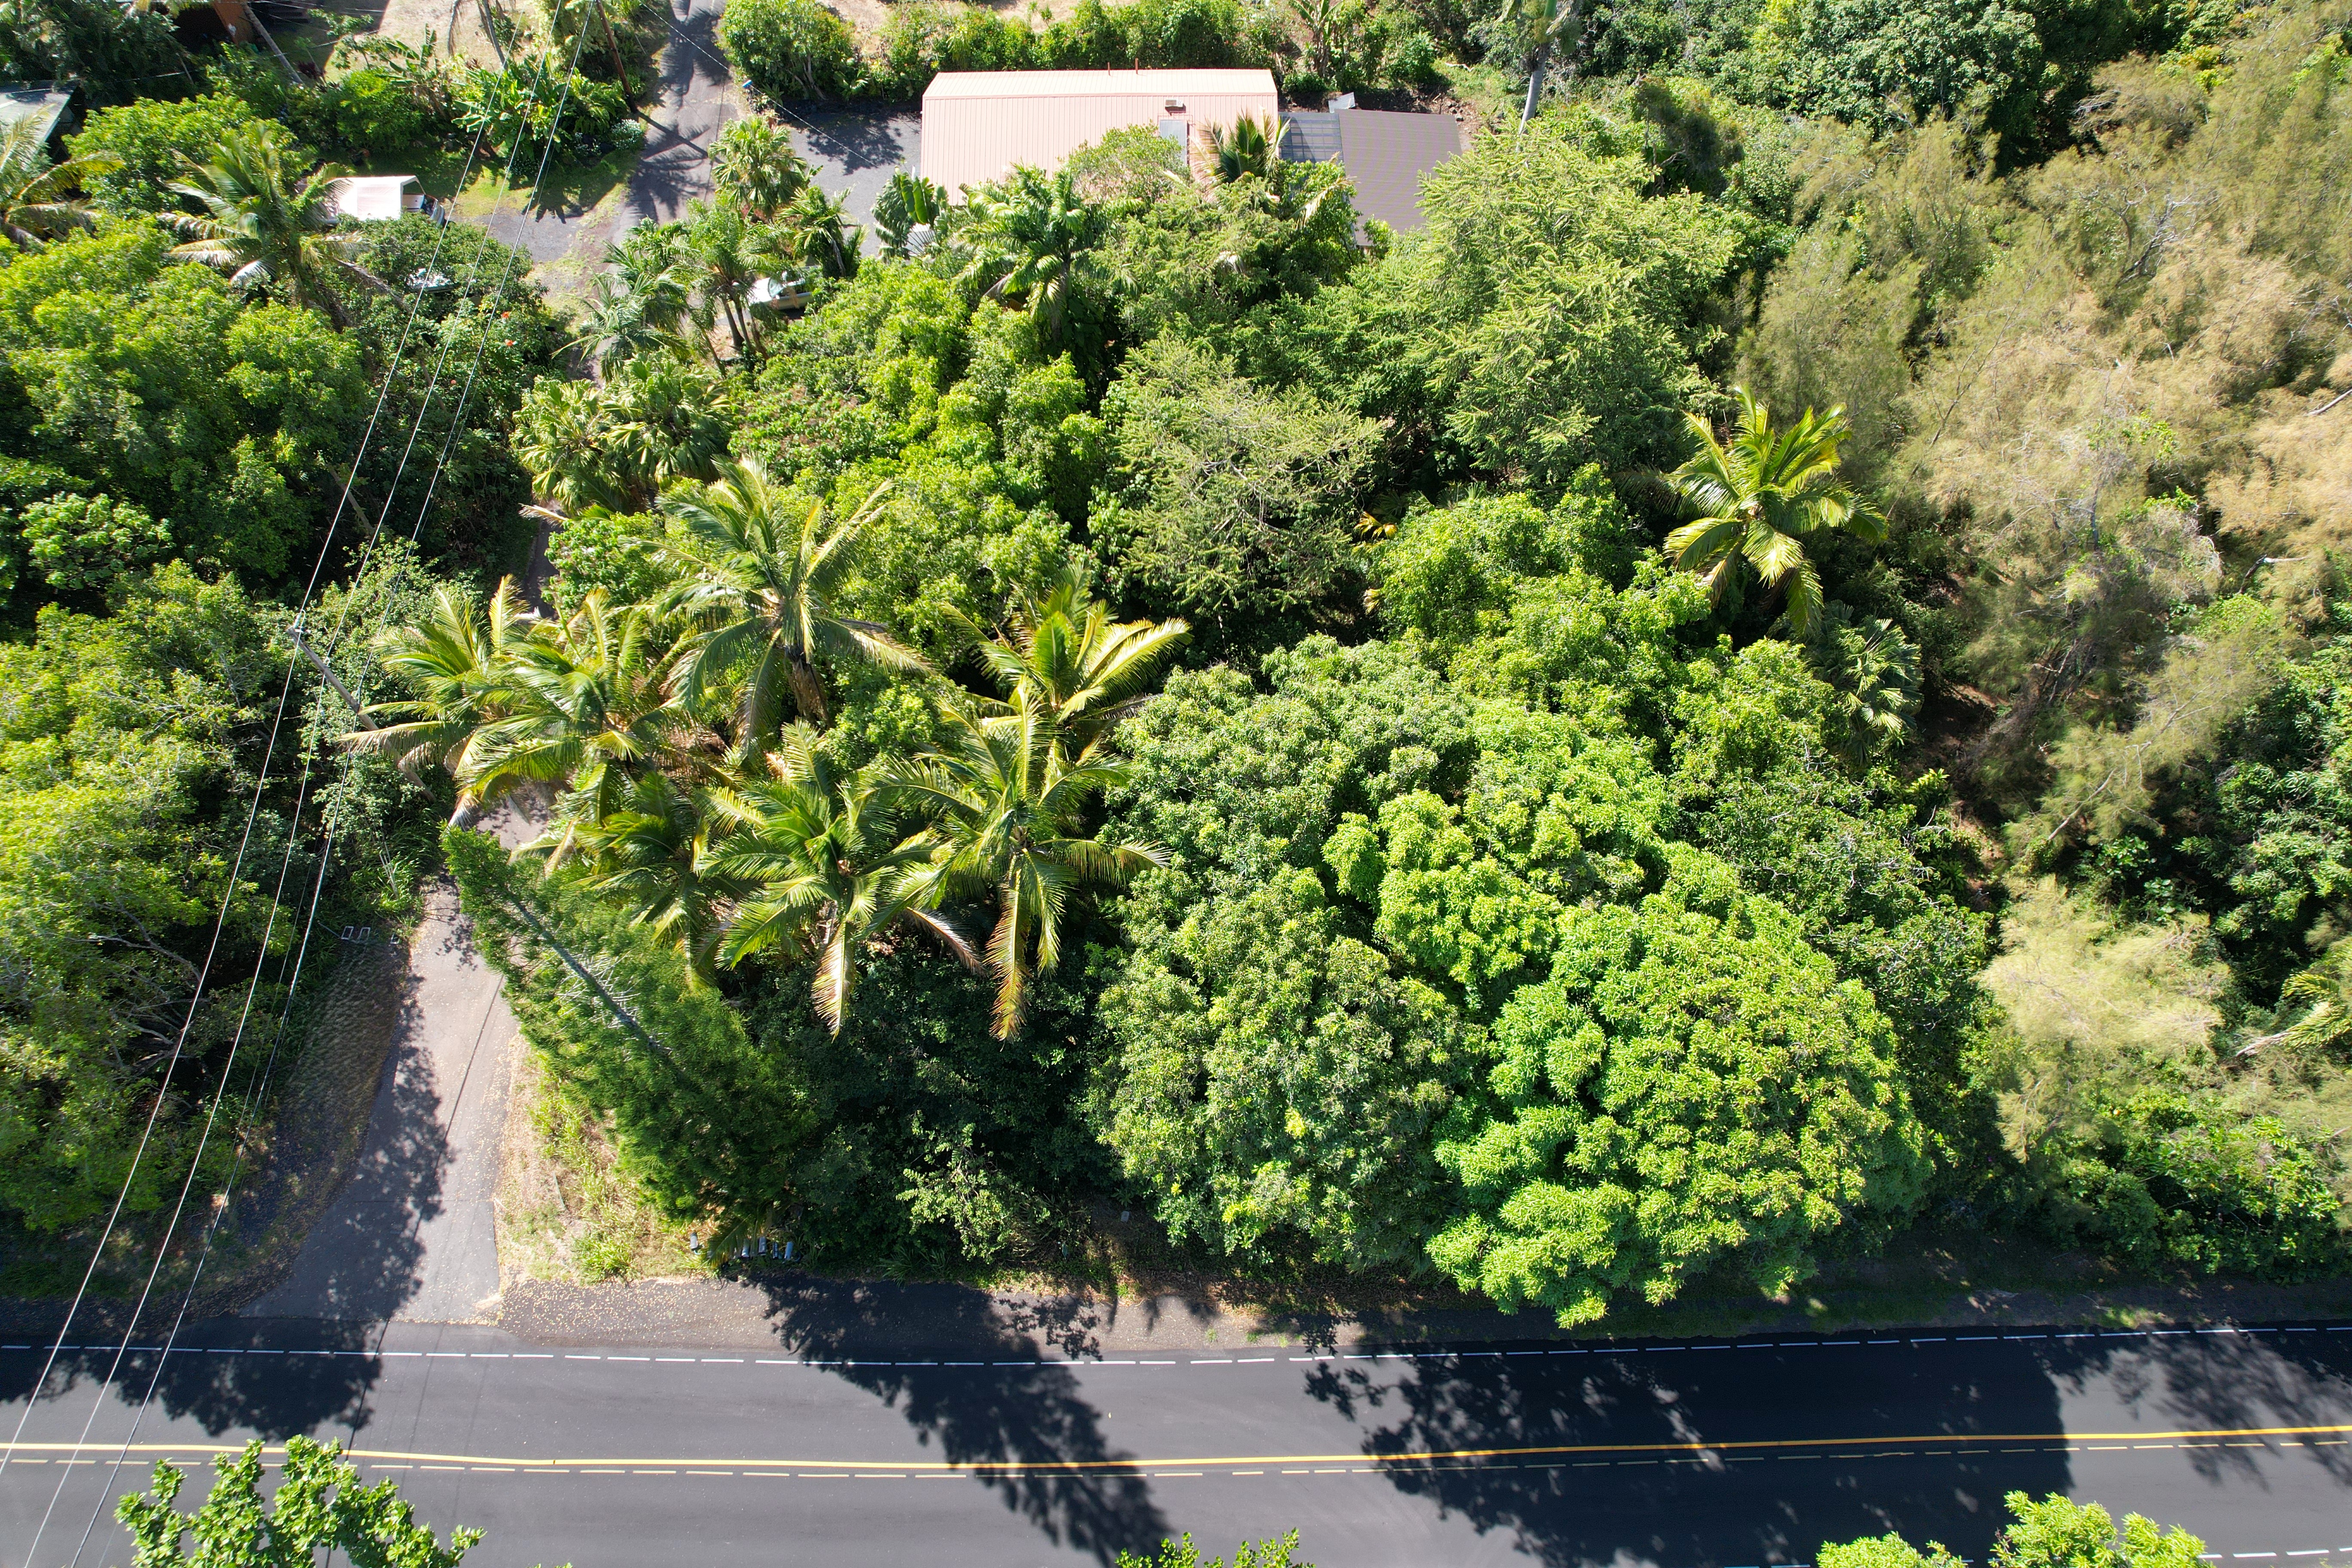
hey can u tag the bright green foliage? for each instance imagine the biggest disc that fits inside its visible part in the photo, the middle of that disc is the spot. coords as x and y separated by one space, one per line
1426 890
1006 797
983 437
656 419
924 39
153 383
122 734
1028 239
1549 315
1277 1078
2168 1178
262 222
822 863
319 1502
2054 1532
1238 499
1690 1089
1873 62
1760 499
1270 1553
81 543
1274 1074
761 571
534 100
2058 1532
1888 1551
788 49
1223 265
39 198
1875 870
754 170
498 326
705 1121
151 135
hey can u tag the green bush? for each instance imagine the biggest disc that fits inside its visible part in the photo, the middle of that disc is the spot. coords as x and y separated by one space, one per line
522 102
151 135
82 543
2165 1178
790 50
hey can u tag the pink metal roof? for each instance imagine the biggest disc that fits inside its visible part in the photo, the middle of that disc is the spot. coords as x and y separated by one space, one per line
978 124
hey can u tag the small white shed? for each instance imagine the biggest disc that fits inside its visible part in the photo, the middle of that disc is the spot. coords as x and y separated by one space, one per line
978 124
369 198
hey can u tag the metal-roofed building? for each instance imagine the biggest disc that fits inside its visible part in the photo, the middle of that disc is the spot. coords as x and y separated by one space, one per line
50 108
978 124
1385 154
371 198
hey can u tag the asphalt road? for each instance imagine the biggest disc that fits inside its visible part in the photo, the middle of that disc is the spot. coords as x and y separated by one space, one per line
819 1450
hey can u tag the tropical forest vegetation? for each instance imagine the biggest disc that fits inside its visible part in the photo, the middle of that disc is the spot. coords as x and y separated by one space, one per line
1762 686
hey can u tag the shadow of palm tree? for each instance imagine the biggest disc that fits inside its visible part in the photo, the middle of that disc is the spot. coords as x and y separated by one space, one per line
1696 1499
1025 1430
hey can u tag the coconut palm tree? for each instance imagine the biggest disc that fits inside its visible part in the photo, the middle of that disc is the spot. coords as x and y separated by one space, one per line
564 436
618 320
652 853
725 253
759 569
454 668
754 169
587 707
1246 149
1028 239
649 262
825 867
667 419
822 234
1553 21
1761 497
1063 656
262 228
36 201
1006 809
908 204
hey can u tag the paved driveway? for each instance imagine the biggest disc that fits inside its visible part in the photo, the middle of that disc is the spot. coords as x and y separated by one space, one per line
698 97
856 149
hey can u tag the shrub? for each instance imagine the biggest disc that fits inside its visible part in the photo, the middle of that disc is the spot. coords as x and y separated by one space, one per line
790 50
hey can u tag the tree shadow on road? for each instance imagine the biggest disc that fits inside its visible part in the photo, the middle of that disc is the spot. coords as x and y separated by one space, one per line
2214 1381
1707 1506
856 139
307 1380
1025 1429
1717 1504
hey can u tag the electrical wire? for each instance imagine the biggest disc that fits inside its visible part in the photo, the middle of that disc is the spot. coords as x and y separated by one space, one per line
310 592
383 393
222 1205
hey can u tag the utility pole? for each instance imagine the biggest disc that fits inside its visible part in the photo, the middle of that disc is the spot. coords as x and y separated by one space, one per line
326 672
620 66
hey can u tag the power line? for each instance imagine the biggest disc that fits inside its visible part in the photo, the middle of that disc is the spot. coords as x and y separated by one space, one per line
326 855
261 780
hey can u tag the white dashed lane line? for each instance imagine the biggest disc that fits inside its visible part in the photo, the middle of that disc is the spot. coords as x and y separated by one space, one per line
1445 1354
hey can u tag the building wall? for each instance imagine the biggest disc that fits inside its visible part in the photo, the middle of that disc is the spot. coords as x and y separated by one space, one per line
978 124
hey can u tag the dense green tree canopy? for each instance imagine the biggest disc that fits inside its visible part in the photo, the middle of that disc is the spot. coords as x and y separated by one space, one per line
1688 1089
152 383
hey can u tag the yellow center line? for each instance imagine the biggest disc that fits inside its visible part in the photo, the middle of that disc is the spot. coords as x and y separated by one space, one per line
1402 1458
